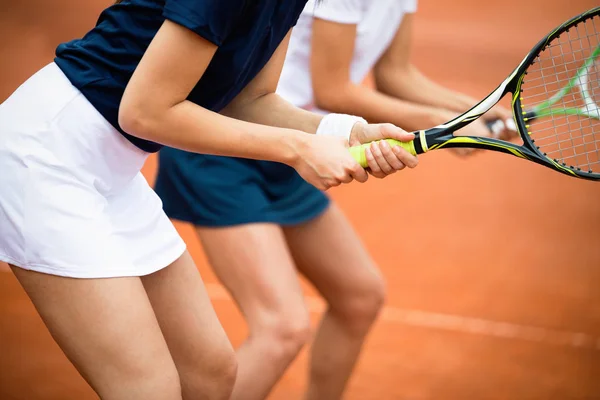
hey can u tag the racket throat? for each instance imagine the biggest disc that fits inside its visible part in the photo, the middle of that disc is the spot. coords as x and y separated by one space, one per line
420 142
430 139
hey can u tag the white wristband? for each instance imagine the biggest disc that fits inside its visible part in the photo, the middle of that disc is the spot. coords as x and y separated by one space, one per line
339 125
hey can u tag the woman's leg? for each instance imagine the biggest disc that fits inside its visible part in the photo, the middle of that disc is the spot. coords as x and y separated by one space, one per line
254 264
199 346
329 253
108 330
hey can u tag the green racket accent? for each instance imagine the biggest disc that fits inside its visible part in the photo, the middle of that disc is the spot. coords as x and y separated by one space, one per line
358 152
545 109
565 111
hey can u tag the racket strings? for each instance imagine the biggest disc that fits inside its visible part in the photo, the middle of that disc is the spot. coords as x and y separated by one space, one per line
552 68
562 90
557 77
572 102
559 153
593 85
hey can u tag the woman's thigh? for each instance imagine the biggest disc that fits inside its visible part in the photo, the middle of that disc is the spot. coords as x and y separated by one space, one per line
195 337
254 264
107 328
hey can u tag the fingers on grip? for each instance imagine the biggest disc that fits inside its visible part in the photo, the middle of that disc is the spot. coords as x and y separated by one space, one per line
358 152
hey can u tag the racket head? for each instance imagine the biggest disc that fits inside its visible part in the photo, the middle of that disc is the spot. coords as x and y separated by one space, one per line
556 98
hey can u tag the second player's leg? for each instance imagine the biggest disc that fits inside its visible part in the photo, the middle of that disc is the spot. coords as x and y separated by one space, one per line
329 253
253 263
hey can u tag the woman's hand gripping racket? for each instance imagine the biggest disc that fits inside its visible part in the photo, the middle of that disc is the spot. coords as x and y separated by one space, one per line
555 103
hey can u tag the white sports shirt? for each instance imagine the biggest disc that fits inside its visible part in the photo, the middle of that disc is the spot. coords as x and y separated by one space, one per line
377 23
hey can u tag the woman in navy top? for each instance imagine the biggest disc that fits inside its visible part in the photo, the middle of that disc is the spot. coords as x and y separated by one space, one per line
82 230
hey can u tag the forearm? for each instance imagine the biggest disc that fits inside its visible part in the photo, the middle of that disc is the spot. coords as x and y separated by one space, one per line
377 107
271 109
412 86
190 127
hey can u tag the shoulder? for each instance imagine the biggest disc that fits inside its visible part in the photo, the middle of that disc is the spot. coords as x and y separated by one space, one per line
211 19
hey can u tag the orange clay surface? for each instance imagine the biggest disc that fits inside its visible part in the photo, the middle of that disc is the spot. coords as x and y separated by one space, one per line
492 263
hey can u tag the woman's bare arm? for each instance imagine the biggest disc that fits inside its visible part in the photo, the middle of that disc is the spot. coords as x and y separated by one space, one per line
154 106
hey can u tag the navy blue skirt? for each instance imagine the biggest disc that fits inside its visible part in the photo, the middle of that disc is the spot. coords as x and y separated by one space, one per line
223 191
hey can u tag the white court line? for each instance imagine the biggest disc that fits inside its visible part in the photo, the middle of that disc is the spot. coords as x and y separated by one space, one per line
457 323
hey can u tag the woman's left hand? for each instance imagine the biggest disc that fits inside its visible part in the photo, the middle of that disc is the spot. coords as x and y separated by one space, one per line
383 159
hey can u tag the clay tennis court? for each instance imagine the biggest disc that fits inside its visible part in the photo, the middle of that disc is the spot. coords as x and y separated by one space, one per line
492 263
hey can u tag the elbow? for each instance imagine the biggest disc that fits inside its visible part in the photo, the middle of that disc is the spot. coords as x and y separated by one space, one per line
137 120
128 120
389 78
329 98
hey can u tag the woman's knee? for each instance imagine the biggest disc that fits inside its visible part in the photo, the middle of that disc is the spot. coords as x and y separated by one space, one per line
282 333
210 375
223 369
359 304
148 382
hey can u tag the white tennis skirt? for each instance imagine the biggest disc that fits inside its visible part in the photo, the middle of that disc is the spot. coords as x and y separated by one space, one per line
73 201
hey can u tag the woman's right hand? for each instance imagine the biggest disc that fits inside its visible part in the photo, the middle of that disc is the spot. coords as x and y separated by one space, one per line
325 162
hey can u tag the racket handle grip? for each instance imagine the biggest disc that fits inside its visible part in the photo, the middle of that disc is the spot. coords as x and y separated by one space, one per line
358 152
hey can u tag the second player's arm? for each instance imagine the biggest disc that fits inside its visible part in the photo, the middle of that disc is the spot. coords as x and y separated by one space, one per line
332 52
396 76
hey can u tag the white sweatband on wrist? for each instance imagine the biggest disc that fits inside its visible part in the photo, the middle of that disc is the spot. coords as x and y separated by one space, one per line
339 125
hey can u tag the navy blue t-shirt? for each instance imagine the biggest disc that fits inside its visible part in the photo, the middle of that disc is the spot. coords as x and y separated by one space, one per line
247 32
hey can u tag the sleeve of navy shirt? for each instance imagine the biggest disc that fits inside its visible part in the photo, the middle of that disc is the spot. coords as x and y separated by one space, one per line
211 19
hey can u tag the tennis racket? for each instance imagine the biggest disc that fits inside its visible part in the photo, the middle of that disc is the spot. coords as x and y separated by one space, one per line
555 103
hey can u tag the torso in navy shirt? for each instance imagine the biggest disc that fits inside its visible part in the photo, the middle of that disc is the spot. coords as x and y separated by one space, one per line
247 32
